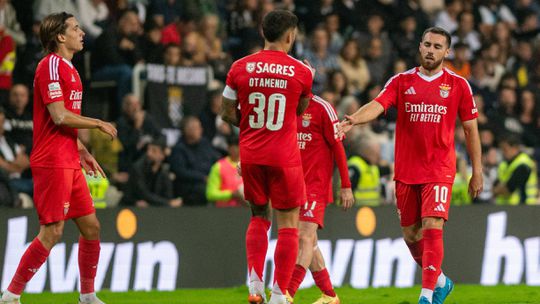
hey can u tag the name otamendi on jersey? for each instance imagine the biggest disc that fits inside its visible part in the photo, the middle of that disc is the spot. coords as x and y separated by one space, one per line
273 68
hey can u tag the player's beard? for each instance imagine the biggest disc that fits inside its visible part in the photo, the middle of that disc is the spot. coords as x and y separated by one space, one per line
430 65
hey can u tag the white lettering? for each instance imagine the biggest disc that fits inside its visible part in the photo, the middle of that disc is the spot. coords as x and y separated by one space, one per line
149 255
274 68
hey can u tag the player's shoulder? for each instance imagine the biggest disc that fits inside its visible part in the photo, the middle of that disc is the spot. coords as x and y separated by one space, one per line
407 75
323 106
459 79
52 66
304 67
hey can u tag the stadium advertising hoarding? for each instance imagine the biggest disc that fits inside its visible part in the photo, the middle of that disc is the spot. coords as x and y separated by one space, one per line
165 249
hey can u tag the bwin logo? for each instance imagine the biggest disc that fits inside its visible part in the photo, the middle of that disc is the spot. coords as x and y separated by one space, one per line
62 273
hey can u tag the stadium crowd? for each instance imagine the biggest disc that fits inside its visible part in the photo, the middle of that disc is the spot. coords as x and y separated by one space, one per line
185 158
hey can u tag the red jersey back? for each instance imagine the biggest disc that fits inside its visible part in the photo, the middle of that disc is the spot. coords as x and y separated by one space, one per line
268 86
56 80
427 111
316 136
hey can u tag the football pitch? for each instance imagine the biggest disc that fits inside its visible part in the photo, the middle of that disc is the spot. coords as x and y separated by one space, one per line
463 294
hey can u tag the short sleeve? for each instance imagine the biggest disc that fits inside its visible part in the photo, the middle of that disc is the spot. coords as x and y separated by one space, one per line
231 77
48 81
389 94
467 107
329 122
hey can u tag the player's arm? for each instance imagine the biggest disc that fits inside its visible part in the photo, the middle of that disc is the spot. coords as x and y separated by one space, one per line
472 140
230 112
63 117
302 105
346 195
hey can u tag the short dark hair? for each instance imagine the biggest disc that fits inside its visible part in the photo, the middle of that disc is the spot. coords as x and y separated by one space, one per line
439 31
276 23
50 27
511 139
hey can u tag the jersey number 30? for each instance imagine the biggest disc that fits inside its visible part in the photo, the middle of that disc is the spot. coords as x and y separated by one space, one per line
275 107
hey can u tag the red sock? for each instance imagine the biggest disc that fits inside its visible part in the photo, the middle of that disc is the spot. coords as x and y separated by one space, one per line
88 261
297 278
257 244
285 257
32 259
432 258
417 251
322 280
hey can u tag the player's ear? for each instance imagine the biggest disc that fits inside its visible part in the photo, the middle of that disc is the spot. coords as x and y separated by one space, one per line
447 52
61 38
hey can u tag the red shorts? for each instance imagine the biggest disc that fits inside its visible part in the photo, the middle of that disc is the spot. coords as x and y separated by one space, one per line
283 186
313 212
60 194
415 202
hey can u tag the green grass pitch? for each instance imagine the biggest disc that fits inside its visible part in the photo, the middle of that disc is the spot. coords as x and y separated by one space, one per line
463 294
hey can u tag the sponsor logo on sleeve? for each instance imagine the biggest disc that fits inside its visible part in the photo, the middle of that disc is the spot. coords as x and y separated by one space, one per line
54 90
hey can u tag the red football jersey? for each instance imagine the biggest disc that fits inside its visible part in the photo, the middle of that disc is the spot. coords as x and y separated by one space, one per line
427 110
268 86
316 136
56 79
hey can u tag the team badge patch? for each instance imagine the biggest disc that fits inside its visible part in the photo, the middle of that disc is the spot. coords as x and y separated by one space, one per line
444 90
250 67
306 119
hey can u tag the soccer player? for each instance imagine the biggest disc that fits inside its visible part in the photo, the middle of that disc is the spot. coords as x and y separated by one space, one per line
60 189
263 95
319 146
428 100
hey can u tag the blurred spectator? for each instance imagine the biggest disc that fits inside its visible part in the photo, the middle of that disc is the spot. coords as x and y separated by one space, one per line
465 32
529 117
502 36
354 66
13 161
412 8
376 61
191 160
480 106
447 18
193 50
406 40
365 171
136 128
151 46
490 160
98 186
376 29
9 23
7 65
28 59
505 114
176 31
43 8
317 12
320 58
165 12
338 84
215 129
116 52
149 179
19 123
331 25
522 63
218 59
460 64
93 16
494 70
493 10
172 55
243 27
528 26
517 181
225 187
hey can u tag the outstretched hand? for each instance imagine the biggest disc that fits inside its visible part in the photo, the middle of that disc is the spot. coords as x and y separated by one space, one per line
108 128
344 126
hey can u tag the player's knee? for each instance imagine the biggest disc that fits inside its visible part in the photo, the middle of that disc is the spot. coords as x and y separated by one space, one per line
432 223
411 235
52 234
307 240
91 231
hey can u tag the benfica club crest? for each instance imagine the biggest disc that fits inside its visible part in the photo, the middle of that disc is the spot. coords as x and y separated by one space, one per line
444 90
306 119
250 67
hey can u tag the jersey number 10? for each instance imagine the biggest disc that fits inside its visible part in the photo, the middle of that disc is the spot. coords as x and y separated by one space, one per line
271 122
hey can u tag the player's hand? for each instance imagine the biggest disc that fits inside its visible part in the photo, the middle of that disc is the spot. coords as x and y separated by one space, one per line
107 128
239 169
90 165
344 126
347 198
175 203
476 184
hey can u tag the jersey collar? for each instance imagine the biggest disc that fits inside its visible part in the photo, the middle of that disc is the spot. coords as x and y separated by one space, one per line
429 78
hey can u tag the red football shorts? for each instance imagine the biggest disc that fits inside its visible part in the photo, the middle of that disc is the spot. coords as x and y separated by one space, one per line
313 212
283 186
60 194
415 202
